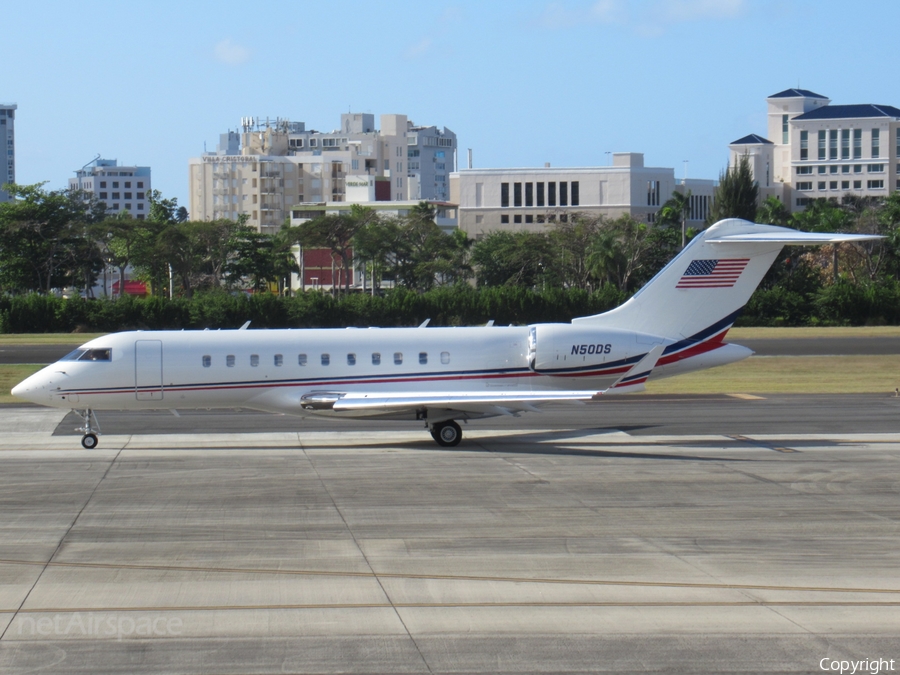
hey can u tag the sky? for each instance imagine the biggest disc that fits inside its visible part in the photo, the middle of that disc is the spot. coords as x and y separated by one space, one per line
520 82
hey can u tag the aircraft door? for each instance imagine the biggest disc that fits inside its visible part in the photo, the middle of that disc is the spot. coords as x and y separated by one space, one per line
148 370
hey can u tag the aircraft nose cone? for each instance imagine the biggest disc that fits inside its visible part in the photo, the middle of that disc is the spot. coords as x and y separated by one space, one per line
29 389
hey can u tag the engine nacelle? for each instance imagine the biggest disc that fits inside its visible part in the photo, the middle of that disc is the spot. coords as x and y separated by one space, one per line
566 347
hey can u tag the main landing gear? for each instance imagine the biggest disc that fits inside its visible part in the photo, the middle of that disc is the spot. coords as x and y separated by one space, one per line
447 434
89 440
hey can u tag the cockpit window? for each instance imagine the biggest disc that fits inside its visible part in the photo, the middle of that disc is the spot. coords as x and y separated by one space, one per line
89 355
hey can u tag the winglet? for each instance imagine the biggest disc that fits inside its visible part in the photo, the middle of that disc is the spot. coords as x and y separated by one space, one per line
634 379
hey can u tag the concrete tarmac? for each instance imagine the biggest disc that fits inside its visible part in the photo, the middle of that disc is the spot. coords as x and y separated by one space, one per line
525 549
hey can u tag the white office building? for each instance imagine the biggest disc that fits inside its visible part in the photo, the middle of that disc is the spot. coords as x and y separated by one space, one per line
121 188
530 199
8 138
818 150
270 166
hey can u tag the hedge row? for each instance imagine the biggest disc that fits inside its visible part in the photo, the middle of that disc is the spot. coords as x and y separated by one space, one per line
843 303
456 306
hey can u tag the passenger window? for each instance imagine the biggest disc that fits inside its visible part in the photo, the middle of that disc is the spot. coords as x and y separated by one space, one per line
279 360
423 358
351 359
207 361
254 360
229 360
398 358
301 359
445 357
326 359
376 359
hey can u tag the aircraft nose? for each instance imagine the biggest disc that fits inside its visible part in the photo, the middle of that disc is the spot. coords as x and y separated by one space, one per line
30 389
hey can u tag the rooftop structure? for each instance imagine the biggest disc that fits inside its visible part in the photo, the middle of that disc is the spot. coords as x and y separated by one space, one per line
121 188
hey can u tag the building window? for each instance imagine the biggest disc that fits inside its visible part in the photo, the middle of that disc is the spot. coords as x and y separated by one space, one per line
103 195
876 140
832 143
801 170
540 194
875 184
845 185
833 169
398 358
301 359
563 193
832 185
529 218
821 185
229 360
574 195
115 195
784 129
128 195
207 361
845 168
423 358
517 194
351 359
103 183
876 168
529 194
517 218
804 185
652 193
376 359
845 144
857 168
504 218
115 183
551 194
822 141
803 201
504 194
804 145
128 183
857 143
857 185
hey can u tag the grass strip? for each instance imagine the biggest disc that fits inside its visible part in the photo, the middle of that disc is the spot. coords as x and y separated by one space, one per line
790 375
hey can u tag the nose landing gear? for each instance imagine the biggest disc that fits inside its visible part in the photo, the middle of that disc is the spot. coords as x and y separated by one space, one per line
89 440
446 434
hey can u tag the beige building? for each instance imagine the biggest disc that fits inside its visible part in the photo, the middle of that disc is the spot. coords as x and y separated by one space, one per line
272 166
815 149
121 188
530 198
8 145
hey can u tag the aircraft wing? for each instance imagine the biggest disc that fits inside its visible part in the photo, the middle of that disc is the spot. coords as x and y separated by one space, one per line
468 401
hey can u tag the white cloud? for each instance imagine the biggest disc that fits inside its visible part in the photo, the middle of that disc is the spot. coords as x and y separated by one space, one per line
417 50
694 10
608 11
230 53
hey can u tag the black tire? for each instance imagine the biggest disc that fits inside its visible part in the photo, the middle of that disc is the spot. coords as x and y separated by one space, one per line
89 441
447 434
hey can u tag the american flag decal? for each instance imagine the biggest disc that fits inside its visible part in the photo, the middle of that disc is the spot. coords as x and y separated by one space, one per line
712 273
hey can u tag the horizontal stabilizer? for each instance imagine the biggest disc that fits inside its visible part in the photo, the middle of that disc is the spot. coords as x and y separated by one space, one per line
634 380
792 238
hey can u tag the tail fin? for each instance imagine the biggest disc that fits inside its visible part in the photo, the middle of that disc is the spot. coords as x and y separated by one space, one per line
702 290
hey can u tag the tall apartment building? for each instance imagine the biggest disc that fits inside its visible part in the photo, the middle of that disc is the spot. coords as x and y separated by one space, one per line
121 188
270 166
815 149
531 199
8 139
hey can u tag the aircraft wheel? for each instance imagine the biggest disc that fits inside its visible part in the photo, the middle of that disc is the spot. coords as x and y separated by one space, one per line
89 441
447 434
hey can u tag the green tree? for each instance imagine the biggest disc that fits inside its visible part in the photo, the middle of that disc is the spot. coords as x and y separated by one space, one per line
336 233
506 258
675 213
773 212
736 195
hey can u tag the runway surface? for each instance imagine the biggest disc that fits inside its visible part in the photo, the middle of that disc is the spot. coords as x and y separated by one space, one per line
49 353
692 542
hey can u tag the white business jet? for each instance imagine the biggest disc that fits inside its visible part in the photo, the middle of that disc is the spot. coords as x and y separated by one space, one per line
674 324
